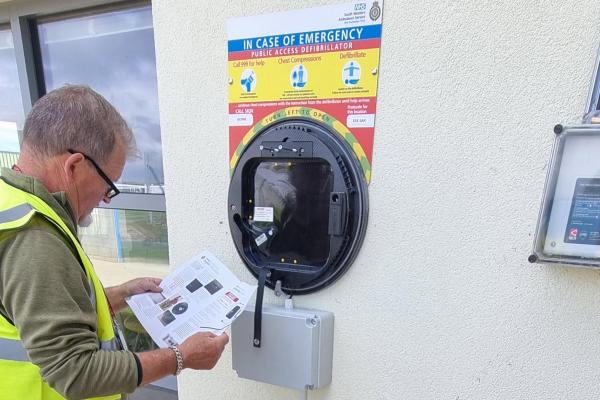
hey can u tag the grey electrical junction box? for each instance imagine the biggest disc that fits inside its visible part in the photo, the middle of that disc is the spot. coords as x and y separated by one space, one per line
296 347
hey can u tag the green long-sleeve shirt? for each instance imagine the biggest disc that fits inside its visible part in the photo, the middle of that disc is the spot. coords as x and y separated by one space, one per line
44 291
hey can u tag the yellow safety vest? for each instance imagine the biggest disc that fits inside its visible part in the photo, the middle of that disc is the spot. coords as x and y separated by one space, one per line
19 377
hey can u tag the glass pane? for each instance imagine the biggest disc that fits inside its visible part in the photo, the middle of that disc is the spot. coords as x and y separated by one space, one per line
135 335
126 244
290 201
113 53
11 107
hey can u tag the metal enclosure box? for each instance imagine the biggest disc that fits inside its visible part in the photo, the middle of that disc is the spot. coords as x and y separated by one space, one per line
296 347
568 230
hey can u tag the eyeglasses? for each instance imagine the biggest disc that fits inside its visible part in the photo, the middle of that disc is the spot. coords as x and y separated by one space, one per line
113 190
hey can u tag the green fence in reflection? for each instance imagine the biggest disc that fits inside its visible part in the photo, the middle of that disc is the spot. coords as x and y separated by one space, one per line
144 236
127 236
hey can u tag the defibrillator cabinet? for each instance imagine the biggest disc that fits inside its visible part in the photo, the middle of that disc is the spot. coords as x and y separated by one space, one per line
298 206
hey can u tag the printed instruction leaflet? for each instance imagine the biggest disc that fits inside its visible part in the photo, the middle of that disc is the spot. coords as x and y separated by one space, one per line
201 295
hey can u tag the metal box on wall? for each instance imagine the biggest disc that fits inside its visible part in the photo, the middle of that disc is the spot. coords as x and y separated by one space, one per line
568 230
296 349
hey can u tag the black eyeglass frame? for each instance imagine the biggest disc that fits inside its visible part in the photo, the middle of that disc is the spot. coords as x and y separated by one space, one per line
113 191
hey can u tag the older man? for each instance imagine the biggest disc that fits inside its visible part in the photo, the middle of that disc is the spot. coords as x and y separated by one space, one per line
57 337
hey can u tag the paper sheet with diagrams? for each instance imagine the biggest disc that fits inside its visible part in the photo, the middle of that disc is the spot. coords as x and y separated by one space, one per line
201 295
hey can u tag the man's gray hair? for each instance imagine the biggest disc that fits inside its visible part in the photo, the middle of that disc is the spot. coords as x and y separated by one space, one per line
76 117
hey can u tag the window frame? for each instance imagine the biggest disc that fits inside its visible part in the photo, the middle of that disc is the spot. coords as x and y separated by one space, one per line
6 26
22 19
594 91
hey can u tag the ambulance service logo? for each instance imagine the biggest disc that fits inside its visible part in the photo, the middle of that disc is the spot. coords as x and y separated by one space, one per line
375 11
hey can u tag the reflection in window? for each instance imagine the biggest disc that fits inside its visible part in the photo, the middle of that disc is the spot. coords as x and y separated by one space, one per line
124 245
11 107
297 193
113 53
127 235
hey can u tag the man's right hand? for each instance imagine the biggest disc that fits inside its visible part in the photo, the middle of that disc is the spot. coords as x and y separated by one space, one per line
199 351
203 350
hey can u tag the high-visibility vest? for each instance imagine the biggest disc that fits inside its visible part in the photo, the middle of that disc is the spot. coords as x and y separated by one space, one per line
19 377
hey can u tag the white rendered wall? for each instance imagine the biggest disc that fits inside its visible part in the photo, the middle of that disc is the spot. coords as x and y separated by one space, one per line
441 302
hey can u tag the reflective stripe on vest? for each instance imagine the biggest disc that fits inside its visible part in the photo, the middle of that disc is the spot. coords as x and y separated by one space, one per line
12 350
15 213
92 292
103 344
110 345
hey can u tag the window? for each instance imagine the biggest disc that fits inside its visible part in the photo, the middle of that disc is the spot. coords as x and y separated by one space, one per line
11 107
125 244
113 53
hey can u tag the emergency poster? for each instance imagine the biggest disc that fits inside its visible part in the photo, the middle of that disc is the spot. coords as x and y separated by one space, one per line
320 64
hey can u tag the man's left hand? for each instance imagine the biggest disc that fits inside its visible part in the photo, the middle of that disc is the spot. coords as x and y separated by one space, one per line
117 294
